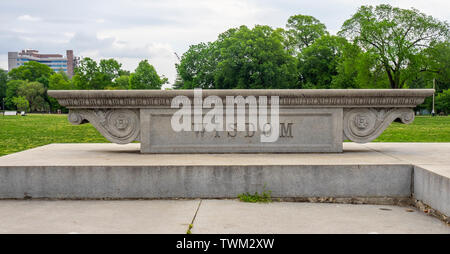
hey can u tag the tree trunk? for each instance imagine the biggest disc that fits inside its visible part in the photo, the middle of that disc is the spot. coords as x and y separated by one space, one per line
391 80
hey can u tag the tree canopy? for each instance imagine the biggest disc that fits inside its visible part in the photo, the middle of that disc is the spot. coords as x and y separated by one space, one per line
3 82
240 58
302 31
396 37
34 93
318 63
32 71
197 66
145 77
378 47
90 75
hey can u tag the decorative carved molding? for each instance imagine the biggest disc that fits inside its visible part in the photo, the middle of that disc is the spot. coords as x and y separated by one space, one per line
345 98
360 115
363 125
119 126
295 101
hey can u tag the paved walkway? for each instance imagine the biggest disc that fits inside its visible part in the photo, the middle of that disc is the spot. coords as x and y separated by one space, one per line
209 216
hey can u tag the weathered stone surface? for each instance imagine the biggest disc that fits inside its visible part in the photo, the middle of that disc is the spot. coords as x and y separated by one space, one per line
301 130
113 171
310 120
362 172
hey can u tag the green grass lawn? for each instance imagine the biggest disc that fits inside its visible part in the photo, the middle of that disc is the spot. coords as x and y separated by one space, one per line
19 133
423 129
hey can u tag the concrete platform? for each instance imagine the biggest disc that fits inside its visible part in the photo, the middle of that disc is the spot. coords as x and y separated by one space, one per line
374 170
213 216
92 217
234 217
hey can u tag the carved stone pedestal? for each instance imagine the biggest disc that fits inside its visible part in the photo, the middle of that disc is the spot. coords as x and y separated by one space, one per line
310 120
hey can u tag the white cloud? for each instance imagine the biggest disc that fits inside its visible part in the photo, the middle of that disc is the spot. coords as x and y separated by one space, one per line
133 30
28 18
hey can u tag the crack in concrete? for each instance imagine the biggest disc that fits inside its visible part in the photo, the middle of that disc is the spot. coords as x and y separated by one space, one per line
190 226
389 155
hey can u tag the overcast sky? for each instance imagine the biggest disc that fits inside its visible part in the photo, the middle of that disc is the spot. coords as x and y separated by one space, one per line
132 30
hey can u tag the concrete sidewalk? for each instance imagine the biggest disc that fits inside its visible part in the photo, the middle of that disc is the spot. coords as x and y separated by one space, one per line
209 216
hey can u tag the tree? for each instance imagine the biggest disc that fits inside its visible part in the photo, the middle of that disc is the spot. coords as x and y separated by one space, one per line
90 75
21 103
197 66
240 58
110 67
32 71
3 82
34 92
302 31
253 59
121 82
348 67
145 77
85 73
318 63
58 81
357 69
11 91
437 65
396 36
443 102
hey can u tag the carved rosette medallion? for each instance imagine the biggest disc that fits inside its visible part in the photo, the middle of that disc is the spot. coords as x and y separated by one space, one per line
120 126
363 125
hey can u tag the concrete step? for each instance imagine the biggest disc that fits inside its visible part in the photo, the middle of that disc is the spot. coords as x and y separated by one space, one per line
78 171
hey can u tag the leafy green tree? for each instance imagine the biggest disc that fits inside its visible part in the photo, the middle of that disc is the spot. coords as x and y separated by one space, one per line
437 66
90 75
145 77
32 71
240 58
197 66
34 92
396 36
255 58
21 103
443 102
318 63
83 72
348 67
3 82
357 69
12 87
302 31
122 82
58 81
111 68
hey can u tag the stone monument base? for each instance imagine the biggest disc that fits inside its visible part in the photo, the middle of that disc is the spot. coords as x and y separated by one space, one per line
374 170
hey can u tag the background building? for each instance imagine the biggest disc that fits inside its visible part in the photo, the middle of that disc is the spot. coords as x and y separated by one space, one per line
56 62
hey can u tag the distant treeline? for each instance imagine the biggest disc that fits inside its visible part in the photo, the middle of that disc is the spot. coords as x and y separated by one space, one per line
24 88
378 47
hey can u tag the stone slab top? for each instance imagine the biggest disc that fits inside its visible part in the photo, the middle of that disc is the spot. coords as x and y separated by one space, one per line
244 92
292 97
428 155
